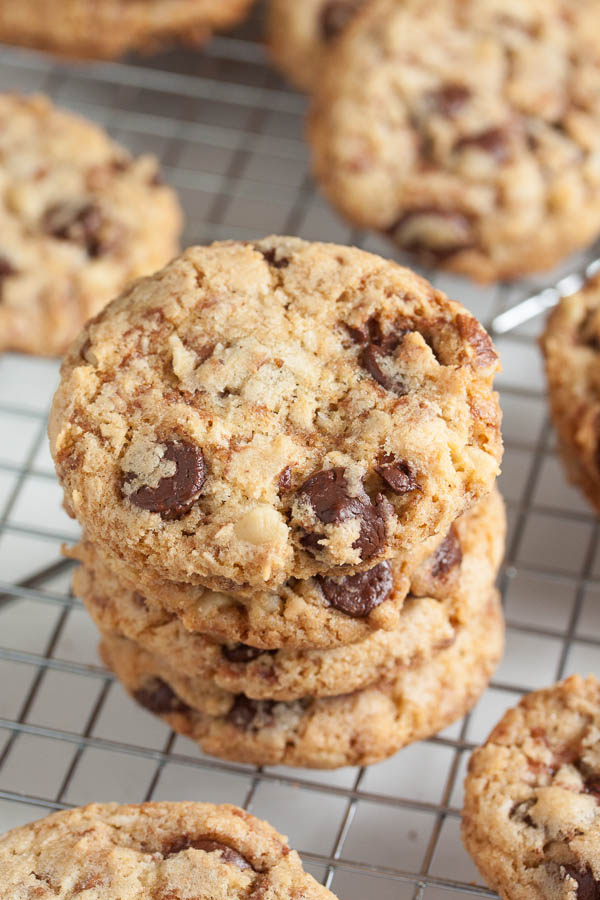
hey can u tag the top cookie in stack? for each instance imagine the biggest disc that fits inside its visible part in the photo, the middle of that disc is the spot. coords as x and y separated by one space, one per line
263 443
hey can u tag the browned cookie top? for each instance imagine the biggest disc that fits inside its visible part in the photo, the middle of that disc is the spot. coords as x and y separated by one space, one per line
79 219
260 411
152 851
532 808
467 130
302 34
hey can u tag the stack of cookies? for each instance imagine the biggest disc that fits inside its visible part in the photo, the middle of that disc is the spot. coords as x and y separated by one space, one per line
283 457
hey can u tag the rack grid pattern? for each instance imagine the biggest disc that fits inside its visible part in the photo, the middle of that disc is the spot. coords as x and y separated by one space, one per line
230 135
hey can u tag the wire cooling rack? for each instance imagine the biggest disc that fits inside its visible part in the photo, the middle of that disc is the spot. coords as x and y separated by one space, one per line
230 135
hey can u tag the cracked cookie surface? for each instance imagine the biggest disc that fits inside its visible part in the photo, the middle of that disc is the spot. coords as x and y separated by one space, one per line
89 29
466 131
301 34
571 347
79 218
259 411
531 818
447 591
152 851
353 729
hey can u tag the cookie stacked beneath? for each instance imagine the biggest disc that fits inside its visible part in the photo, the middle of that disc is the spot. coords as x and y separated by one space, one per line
283 456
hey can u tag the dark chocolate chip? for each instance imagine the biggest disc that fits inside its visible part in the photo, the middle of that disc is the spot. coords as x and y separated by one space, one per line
6 268
82 226
358 595
157 696
475 334
592 785
433 233
336 15
398 474
520 811
209 845
240 653
449 99
587 886
244 712
327 493
277 262
174 496
285 479
448 555
370 333
493 141
371 358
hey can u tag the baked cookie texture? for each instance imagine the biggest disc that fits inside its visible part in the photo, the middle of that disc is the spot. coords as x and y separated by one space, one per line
359 728
445 593
260 411
102 29
152 851
300 35
318 613
467 130
79 218
531 819
571 348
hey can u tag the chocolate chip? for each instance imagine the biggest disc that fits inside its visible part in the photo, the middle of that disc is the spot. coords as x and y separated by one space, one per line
6 268
285 479
475 334
174 496
398 474
371 359
157 696
448 555
358 595
587 886
240 653
244 712
592 785
449 99
434 233
209 845
336 15
370 333
494 141
82 226
270 256
520 811
327 493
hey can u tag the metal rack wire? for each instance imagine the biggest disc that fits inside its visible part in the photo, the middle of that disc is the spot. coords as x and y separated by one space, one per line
230 137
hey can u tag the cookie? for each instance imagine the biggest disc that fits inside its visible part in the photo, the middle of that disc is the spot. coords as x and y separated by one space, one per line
446 592
152 851
354 729
571 347
102 29
79 219
301 34
531 819
318 613
256 412
467 132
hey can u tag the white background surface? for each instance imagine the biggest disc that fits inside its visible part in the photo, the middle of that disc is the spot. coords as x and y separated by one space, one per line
230 136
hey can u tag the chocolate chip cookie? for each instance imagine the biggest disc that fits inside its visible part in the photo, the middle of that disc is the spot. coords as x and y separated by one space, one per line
354 729
465 130
79 219
152 851
91 29
446 591
260 411
301 34
571 347
531 819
